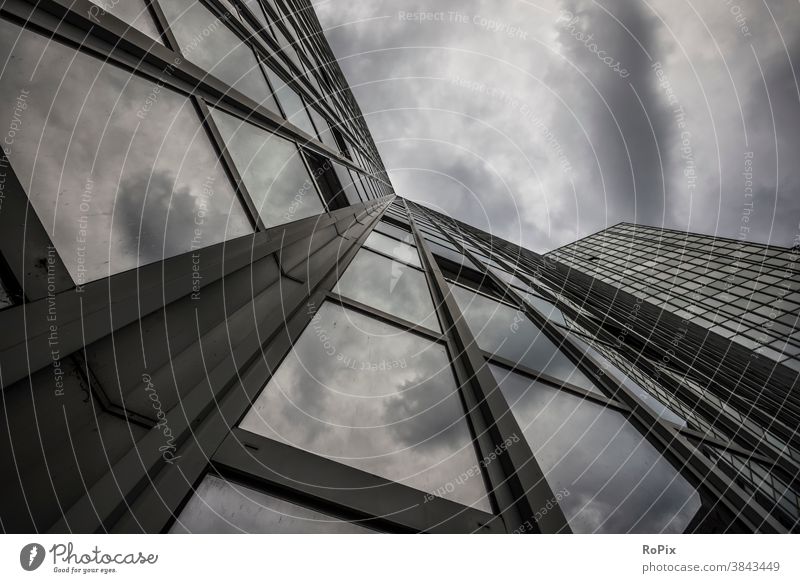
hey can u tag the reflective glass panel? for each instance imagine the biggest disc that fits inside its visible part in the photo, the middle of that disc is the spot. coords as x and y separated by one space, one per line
374 397
222 507
389 286
346 180
614 480
507 277
272 169
448 253
502 330
323 129
651 401
544 307
220 52
255 10
134 12
393 247
120 171
293 108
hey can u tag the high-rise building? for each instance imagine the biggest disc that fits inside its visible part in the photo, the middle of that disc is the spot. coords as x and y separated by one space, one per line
746 292
218 316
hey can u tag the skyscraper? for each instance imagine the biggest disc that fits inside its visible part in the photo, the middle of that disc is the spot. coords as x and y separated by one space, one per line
219 317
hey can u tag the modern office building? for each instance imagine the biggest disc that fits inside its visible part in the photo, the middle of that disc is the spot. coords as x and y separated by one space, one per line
746 292
218 317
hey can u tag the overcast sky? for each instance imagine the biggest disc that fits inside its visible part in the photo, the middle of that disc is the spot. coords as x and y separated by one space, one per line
546 121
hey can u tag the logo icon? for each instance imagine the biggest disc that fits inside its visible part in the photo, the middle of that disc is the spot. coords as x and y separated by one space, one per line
31 556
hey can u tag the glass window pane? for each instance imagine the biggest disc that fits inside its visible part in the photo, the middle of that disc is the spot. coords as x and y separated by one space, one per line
545 308
616 374
616 480
346 180
374 397
395 232
222 507
448 253
502 330
323 129
389 286
272 170
220 52
293 108
134 12
136 177
255 10
393 247
507 277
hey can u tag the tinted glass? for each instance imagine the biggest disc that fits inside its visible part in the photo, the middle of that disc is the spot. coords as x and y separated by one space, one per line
389 286
134 12
448 253
255 10
346 180
507 277
220 52
393 247
323 129
119 169
502 330
357 181
545 308
272 170
293 108
616 480
374 397
222 507
617 375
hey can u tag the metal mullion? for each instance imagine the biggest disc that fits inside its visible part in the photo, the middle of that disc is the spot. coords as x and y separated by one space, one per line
520 490
555 383
386 317
669 441
242 193
154 62
340 489
706 473
727 445
146 490
130 295
387 256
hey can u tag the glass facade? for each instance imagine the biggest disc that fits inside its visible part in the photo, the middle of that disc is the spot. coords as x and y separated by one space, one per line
272 341
745 292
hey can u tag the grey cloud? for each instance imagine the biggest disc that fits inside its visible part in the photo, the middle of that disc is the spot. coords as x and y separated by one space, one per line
481 124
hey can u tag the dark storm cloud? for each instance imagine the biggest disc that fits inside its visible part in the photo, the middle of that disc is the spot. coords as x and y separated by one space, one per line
513 117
